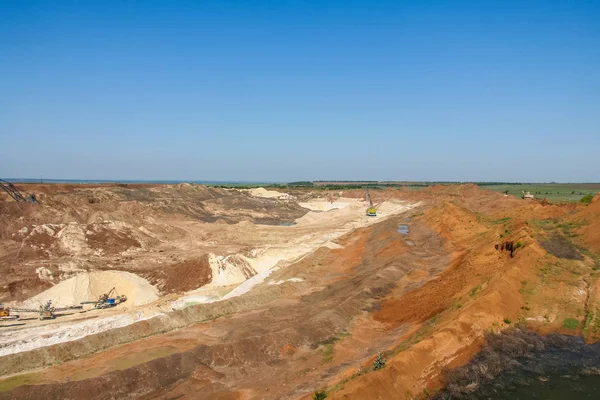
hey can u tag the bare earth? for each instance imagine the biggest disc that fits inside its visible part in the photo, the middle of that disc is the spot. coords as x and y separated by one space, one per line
257 294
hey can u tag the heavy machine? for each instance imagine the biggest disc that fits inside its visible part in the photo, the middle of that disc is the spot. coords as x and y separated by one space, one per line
15 194
526 196
47 311
5 314
106 301
371 211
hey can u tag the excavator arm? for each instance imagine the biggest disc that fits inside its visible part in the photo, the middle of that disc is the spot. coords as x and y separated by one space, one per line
371 211
12 191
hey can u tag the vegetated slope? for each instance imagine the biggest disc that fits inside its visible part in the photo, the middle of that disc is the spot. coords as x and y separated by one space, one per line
483 289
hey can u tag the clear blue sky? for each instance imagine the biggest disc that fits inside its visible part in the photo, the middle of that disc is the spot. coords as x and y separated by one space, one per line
294 90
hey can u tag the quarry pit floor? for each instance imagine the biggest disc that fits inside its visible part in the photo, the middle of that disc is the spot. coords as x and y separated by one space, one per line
243 309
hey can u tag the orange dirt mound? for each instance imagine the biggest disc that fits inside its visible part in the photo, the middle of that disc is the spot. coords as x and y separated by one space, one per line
590 232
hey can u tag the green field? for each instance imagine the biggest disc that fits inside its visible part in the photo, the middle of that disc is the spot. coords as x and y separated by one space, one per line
556 192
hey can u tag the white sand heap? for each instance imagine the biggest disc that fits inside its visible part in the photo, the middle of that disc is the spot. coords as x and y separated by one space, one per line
88 286
323 205
269 194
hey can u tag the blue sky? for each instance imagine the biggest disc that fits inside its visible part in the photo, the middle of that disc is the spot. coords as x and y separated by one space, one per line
295 90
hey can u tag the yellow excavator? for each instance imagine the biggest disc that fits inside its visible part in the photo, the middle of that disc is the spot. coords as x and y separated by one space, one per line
371 211
5 314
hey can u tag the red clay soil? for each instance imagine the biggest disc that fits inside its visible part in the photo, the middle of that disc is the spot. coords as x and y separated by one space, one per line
590 232
482 290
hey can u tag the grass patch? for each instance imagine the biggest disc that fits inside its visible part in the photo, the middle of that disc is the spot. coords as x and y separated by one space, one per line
475 290
596 327
319 395
551 269
507 321
526 290
329 346
570 323
328 353
545 224
569 228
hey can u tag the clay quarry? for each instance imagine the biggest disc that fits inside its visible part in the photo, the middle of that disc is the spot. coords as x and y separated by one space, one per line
291 293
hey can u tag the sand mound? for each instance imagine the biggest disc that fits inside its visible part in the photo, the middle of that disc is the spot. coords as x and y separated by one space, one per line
90 285
323 205
269 194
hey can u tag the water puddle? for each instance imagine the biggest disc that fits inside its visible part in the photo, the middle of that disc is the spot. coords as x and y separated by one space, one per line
287 224
403 229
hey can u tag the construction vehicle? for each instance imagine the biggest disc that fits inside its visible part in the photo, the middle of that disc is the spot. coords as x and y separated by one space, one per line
371 211
15 194
526 196
46 311
106 301
5 314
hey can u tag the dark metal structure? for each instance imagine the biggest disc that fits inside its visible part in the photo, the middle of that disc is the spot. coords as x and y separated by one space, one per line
14 193
46 311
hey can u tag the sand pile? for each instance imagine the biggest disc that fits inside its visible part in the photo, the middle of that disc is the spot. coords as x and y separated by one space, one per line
323 205
89 286
269 194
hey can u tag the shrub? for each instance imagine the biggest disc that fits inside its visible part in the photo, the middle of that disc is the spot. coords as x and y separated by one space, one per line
507 321
587 199
379 362
571 323
319 395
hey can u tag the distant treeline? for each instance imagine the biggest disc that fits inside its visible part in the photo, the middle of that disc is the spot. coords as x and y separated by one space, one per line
348 185
301 183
